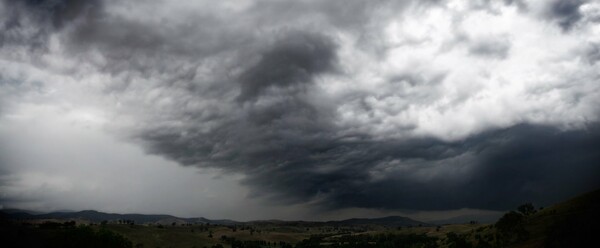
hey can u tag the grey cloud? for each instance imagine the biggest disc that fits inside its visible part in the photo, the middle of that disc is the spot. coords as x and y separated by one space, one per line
508 167
592 53
121 34
413 87
293 60
291 154
415 79
61 12
146 47
565 12
521 4
157 49
243 96
489 5
534 161
271 131
497 47
281 133
352 15
30 22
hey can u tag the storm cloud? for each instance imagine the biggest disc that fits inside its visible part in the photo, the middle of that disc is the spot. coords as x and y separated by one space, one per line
565 13
395 105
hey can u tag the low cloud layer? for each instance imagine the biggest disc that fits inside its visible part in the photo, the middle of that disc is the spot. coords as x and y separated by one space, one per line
414 105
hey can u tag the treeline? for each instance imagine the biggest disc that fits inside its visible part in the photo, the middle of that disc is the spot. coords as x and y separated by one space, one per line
85 236
59 235
511 227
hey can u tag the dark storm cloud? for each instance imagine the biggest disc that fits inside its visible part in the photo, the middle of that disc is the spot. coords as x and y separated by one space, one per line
243 92
565 12
290 149
264 134
31 21
152 49
291 154
122 38
536 162
281 133
276 108
61 12
291 61
521 164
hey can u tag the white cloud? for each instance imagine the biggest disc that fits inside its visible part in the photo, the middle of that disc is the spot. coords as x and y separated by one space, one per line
534 83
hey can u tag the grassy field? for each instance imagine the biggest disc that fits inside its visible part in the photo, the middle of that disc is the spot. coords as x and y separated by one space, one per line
198 236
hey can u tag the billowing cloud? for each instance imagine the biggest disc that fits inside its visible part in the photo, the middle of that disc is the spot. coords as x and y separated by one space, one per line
565 13
415 105
294 60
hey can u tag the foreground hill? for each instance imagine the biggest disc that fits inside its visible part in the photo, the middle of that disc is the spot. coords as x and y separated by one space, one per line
572 223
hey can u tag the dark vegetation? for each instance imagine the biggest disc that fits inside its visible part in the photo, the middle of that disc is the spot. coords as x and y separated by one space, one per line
60 235
573 223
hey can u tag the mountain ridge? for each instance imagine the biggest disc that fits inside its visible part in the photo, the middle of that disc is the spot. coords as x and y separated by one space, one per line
97 216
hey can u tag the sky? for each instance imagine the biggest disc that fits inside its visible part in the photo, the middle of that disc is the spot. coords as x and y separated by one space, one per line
314 110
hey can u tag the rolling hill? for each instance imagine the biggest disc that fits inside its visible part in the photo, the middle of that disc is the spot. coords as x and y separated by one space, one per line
96 216
572 223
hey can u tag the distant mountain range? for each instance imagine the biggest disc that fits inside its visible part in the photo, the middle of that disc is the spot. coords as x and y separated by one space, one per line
479 218
95 216
390 221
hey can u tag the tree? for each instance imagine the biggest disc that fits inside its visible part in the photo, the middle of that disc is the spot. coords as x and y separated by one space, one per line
509 221
511 228
87 237
526 209
456 241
